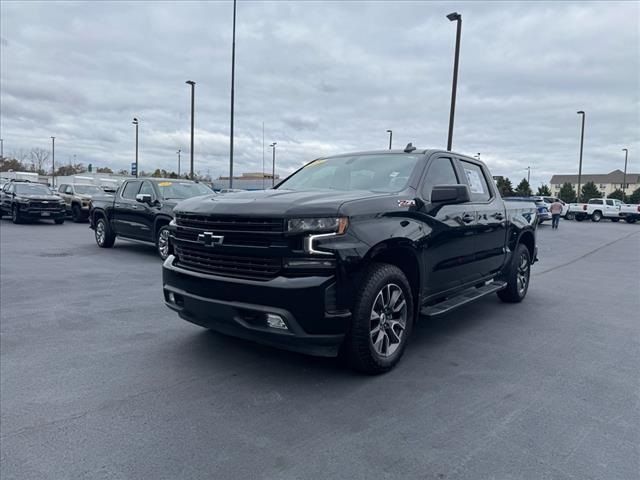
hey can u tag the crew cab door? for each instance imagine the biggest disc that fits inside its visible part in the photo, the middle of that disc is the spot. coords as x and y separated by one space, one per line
612 208
447 252
144 213
125 208
489 235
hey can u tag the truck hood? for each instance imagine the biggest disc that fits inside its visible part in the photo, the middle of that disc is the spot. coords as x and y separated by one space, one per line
285 203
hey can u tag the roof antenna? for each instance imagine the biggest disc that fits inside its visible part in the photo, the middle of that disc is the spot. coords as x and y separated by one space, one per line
409 148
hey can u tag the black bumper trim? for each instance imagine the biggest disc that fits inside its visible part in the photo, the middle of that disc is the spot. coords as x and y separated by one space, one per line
225 317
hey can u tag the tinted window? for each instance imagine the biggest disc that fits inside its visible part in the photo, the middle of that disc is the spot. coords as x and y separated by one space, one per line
177 190
610 202
595 201
32 189
61 188
441 172
147 189
477 183
131 190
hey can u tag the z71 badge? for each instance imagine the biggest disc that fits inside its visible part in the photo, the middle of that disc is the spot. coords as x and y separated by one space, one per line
406 203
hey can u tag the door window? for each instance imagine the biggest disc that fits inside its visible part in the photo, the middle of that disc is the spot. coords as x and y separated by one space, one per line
478 185
131 190
441 172
147 189
610 203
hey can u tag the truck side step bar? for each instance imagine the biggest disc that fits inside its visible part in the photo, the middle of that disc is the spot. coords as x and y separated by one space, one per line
466 296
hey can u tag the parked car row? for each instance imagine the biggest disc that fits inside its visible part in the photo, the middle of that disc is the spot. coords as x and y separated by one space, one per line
25 200
598 208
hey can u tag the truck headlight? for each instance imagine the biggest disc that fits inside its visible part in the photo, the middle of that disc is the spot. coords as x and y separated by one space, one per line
322 224
24 201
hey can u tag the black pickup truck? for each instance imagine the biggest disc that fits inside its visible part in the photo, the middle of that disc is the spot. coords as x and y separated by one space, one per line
346 253
140 209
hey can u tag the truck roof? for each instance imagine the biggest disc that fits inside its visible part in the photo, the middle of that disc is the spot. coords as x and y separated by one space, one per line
418 151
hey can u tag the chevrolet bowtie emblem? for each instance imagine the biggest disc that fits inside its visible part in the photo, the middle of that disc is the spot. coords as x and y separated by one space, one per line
208 239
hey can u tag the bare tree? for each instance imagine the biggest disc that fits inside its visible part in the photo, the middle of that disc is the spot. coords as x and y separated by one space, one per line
38 158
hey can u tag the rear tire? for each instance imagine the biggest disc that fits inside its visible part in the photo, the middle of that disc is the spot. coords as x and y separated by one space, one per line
597 216
518 276
570 216
630 220
615 220
59 221
105 238
382 320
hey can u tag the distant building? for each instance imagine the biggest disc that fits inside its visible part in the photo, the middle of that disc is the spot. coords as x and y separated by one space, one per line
606 182
99 179
247 181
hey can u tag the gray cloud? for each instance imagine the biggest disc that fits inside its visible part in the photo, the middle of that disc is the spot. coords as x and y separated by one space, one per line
324 77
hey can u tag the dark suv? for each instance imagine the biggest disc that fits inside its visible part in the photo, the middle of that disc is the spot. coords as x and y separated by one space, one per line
25 200
348 252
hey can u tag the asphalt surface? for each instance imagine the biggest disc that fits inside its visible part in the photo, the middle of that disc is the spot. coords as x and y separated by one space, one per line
98 380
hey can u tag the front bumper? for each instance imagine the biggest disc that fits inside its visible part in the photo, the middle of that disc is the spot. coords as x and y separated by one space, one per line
34 213
239 307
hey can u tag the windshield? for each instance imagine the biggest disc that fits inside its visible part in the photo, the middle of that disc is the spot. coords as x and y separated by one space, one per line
32 189
87 189
376 173
181 190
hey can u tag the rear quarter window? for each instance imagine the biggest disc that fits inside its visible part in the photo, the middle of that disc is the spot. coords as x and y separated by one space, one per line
477 182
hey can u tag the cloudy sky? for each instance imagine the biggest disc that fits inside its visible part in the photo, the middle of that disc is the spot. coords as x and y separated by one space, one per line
324 77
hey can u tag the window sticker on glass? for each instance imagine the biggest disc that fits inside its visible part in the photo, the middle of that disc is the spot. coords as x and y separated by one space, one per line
475 184
165 184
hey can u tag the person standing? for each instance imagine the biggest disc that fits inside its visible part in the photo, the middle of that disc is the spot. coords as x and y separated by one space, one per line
556 211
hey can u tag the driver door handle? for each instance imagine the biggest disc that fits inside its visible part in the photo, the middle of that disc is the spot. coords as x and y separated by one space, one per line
499 216
468 218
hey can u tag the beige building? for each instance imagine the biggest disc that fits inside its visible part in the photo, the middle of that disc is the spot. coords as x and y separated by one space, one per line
606 182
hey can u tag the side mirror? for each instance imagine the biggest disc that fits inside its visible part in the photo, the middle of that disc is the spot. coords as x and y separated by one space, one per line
450 194
143 198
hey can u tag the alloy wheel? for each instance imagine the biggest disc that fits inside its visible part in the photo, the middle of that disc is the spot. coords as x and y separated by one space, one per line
100 232
522 277
163 243
388 320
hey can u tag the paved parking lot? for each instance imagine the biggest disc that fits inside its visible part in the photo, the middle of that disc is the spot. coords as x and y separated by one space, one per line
100 380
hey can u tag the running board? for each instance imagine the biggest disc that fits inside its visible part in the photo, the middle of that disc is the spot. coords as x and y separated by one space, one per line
467 296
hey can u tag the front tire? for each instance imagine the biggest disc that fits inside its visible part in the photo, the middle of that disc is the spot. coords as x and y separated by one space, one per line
518 276
162 242
382 320
597 216
105 238
59 221
76 213
630 220
15 215
570 216
614 220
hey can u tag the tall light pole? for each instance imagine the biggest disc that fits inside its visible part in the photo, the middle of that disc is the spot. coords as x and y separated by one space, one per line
581 146
179 162
135 122
53 161
390 132
233 79
454 17
1 148
624 180
193 94
529 175
273 167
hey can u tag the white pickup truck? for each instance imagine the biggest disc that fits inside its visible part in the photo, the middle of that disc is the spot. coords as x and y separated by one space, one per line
630 213
596 209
